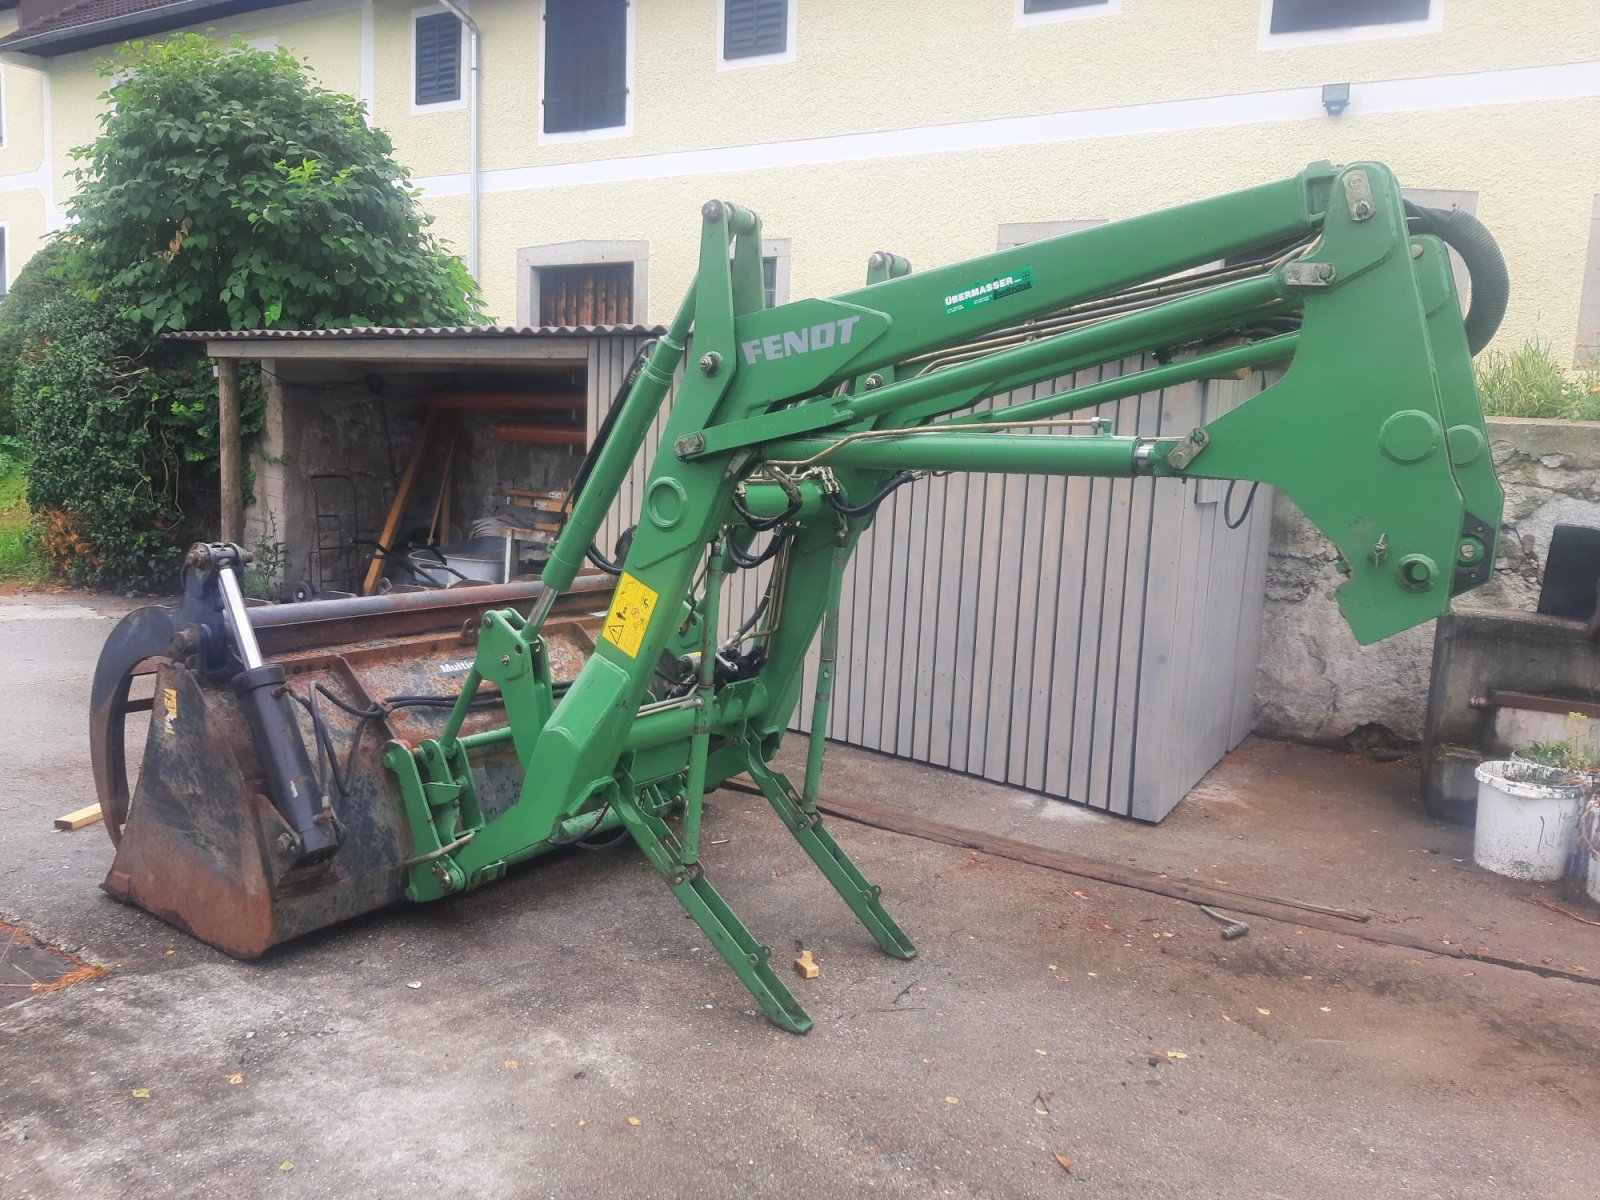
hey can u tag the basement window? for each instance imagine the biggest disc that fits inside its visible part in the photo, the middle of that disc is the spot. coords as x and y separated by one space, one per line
753 33
588 61
775 271
1308 22
1019 233
436 58
583 283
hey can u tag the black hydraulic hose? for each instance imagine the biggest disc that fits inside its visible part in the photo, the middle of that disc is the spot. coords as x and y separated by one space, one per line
762 524
871 506
1491 283
749 562
600 560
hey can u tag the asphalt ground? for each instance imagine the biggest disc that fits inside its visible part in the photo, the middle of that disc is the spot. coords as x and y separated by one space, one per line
573 1035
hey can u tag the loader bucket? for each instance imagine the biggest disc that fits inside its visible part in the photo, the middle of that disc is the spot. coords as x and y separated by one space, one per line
200 844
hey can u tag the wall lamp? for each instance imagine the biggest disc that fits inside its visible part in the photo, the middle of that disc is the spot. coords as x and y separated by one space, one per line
1335 98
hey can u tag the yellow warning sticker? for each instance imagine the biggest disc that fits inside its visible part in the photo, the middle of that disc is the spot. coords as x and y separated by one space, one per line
630 615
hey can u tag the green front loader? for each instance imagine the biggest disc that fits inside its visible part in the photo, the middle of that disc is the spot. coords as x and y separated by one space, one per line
313 761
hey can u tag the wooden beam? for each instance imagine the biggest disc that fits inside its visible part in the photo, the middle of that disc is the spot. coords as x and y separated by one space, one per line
230 451
510 401
77 819
402 493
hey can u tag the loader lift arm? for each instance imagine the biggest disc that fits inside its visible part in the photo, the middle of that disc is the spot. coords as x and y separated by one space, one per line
792 423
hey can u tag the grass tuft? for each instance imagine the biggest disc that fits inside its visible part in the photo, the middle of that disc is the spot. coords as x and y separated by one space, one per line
1530 382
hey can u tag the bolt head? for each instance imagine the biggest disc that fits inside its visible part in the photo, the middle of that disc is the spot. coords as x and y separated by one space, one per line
505 660
1361 210
710 362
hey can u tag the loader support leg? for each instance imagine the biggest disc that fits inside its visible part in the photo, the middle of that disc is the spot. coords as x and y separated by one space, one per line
748 958
846 877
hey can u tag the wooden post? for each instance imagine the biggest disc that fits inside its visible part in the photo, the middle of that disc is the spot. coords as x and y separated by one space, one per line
230 453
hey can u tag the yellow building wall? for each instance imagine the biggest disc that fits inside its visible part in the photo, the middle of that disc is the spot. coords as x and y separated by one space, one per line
915 63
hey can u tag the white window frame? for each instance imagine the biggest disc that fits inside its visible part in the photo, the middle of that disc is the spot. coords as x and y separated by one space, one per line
1587 349
1012 234
5 258
577 254
460 102
591 135
779 249
1267 40
1107 8
756 60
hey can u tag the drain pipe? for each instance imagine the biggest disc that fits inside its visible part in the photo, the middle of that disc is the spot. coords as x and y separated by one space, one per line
472 134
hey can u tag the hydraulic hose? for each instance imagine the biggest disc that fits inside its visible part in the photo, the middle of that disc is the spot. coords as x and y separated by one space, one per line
1491 284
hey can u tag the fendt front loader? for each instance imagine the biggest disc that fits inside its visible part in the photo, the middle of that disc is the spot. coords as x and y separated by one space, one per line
309 762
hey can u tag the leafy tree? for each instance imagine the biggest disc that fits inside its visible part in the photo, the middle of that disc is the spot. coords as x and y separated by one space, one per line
228 191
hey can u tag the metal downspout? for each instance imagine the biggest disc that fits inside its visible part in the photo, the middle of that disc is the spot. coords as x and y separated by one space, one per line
473 175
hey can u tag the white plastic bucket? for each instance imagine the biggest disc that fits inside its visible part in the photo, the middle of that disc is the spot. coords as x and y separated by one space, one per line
1527 826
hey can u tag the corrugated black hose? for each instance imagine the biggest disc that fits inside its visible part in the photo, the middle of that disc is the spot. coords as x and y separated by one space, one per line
1491 283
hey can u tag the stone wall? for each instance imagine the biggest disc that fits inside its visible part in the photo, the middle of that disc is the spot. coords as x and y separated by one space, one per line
1315 683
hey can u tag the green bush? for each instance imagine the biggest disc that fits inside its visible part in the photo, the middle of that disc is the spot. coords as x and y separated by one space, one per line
122 430
1530 382
227 191
38 281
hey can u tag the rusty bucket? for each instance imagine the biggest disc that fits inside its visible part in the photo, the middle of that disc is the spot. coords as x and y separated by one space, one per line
199 839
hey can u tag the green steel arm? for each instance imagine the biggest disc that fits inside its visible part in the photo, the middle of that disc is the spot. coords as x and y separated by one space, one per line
800 414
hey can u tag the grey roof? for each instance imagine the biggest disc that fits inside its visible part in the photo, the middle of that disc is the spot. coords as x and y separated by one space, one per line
379 332
88 23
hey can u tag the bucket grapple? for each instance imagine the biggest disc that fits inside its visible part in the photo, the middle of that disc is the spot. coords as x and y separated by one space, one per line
308 762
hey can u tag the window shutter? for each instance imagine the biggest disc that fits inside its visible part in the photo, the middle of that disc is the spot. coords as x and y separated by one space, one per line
438 38
1041 6
585 64
754 27
1300 16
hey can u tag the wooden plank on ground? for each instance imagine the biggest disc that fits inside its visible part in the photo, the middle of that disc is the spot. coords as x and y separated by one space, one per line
78 818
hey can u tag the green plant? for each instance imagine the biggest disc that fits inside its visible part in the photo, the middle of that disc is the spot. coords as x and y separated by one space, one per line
40 280
226 191
263 578
1562 755
122 431
1530 382
22 559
